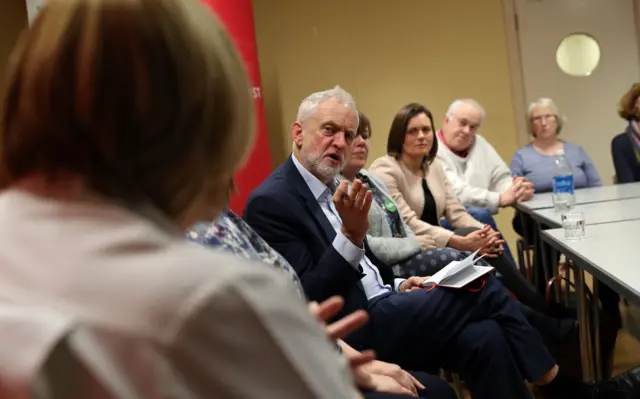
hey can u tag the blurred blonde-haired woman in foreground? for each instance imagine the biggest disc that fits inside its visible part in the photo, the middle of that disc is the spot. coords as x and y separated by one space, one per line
121 124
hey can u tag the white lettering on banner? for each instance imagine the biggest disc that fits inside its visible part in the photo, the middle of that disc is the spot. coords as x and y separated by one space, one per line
563 184
257 92
33 6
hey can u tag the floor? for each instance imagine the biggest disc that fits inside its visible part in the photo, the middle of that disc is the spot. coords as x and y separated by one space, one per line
628 345
627 353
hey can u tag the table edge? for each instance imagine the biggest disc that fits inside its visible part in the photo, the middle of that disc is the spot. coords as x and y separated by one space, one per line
591 268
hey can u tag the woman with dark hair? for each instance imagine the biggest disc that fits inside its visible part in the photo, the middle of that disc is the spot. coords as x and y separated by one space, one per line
389 236
625 147
393 242
419 186
417 183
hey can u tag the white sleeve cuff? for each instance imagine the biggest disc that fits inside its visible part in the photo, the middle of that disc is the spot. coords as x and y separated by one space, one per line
397 283
493 202
348 250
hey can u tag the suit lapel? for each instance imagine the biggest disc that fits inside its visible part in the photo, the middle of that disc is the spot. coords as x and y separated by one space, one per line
310 202
312 205
321 219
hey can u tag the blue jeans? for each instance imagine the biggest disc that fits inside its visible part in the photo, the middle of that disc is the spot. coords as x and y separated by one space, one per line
483 215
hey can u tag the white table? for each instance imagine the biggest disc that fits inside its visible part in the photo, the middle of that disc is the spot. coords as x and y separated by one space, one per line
597 203
594 213
584 196
608 253
539 201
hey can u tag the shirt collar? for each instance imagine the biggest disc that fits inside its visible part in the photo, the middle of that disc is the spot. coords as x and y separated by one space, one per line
461 154
317 187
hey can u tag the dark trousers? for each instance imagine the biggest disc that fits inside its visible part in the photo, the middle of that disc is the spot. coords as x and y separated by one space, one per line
553 330
435 388
482 335
512 279
429 262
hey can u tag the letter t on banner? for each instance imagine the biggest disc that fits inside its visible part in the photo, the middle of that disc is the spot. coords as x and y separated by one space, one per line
237 16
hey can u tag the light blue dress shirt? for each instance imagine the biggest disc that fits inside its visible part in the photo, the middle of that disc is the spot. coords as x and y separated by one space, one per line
372 281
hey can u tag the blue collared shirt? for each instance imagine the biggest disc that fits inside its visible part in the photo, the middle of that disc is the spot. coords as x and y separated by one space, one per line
372 281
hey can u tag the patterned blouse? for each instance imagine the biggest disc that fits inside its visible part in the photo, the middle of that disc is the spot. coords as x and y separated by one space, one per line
232 234
386 204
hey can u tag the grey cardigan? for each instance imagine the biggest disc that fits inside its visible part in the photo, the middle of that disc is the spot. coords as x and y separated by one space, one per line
384 245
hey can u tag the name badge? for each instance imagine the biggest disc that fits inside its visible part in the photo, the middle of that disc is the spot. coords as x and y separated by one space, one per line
389 205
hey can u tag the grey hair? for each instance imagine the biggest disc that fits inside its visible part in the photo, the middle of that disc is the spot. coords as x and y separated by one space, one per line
470 101
544 102
309 104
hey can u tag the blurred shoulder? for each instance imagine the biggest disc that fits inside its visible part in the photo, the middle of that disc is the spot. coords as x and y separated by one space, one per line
208 274
385 164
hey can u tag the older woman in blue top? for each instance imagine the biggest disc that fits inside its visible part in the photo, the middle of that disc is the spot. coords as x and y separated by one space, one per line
536 161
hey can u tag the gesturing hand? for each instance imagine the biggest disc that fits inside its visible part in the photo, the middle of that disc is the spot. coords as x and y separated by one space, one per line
353 207
343 327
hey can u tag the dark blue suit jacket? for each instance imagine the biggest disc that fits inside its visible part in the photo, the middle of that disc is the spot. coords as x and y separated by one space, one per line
284 212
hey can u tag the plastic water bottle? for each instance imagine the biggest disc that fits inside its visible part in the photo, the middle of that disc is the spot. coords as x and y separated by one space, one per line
563 190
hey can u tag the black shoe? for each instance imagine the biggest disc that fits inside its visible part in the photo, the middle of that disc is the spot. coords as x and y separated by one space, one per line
566 352
623 386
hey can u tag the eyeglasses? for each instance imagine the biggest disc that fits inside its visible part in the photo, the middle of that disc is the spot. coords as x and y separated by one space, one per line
540 118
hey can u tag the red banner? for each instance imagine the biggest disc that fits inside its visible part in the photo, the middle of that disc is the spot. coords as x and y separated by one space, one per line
237 16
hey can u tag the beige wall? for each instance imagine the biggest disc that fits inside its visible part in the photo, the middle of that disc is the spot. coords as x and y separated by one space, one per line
13 18
387 54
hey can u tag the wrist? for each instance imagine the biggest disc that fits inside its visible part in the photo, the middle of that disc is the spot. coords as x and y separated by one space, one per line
370 367
363 378
356 239
457 242
504 200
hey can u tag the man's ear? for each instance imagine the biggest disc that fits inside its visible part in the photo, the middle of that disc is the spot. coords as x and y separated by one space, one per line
297 133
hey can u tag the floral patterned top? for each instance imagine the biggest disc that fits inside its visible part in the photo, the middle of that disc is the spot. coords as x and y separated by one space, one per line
229 232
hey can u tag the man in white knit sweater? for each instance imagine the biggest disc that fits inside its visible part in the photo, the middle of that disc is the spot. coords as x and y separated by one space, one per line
479 176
